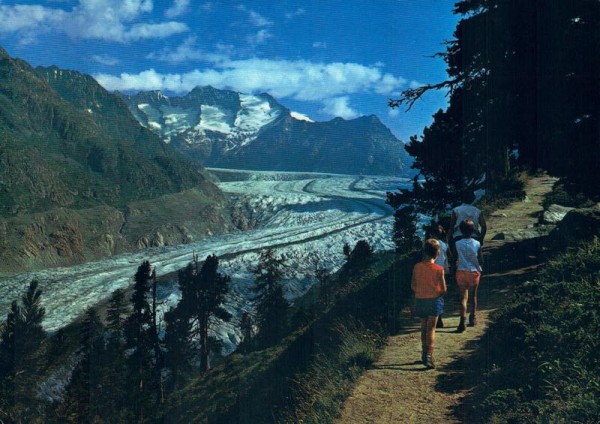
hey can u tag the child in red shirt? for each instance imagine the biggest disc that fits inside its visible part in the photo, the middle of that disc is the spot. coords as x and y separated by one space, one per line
429 286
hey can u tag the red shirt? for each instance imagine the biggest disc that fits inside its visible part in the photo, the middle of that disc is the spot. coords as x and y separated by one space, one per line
427 280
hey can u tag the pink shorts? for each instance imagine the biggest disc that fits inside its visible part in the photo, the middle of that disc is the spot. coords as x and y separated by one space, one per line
467 279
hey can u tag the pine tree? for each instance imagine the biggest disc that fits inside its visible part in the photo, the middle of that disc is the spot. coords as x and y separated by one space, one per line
143 374
203 292
272 308
178 348
85 391
115 362
521 74
20 363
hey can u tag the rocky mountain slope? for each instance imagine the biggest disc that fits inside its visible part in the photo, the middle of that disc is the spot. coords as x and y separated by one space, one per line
227 129
81 179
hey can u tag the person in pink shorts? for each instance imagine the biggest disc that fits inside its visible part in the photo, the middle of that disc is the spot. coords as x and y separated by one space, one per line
467 252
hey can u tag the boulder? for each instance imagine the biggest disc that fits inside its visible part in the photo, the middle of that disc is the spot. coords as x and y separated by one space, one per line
555 213
578 225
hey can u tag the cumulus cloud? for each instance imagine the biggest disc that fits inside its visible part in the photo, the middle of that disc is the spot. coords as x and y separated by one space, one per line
24 17
339 106
179 8
320 45
105 59
188 51
110 20
331 84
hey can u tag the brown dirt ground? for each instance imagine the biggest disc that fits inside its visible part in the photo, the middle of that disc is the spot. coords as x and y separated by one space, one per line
398 388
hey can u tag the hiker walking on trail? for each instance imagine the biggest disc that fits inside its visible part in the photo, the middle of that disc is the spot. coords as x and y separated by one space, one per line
467 251
438 232
467 211
429 286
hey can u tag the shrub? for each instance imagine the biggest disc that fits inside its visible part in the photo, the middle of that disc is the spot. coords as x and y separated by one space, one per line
547 365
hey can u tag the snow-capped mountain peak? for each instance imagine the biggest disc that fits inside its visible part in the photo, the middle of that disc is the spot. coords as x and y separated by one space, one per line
300 116
206 113
227 129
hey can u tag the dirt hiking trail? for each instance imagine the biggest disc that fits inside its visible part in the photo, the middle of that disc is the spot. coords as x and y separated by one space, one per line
398 388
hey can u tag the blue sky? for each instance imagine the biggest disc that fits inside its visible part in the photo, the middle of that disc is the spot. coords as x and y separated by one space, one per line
322 58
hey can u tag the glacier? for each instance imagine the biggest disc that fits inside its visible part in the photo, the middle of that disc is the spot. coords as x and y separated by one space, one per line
305 217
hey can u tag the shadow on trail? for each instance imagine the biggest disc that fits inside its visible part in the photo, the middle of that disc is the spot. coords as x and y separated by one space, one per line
414 366
506 266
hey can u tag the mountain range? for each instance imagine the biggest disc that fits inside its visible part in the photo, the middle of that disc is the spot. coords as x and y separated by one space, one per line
85 173
227 129
80 178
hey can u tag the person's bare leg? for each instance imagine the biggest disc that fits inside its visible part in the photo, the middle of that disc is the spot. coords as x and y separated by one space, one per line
431 323
472 317
464 297
423 339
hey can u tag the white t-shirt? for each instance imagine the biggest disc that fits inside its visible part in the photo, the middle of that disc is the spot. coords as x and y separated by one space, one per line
466 211
466 250
442 260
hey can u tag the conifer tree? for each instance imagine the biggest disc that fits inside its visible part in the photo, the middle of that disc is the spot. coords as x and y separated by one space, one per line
520 78
178 348
115 374
143 374
20 363
272 308
86 392
203 291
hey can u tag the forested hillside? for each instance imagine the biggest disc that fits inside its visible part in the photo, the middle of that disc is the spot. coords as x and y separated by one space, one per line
77 172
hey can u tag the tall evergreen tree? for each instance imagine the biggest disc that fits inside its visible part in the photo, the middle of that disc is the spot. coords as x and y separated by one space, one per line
20 362
143 373
524 78
178 348
115 366
272 308
203 291
85 392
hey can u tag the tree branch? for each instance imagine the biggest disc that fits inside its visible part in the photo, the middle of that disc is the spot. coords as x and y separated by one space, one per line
411 95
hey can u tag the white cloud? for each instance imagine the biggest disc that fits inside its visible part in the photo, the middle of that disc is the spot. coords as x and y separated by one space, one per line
331 84
110 20
105 59
23 17
320 45
338 106
295 13
179 8
188 51
255 18
259 38
393 113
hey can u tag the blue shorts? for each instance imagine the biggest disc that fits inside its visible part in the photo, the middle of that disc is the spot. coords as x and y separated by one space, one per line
429 307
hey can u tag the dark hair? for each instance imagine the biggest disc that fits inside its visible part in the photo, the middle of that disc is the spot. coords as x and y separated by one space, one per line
431 248
467 228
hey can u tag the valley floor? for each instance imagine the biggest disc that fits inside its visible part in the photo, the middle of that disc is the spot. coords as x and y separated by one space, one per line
398 388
